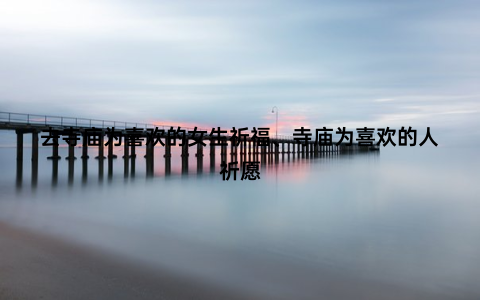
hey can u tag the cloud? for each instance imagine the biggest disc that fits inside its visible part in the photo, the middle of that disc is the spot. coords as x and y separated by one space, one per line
384 100
226 63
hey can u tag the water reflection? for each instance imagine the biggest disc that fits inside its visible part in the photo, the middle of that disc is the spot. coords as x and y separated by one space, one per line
168 166
200 164
34 173
19 173
184 164
110 168
71 169
100 169
132 163
396 223
84 169
149 162
54 172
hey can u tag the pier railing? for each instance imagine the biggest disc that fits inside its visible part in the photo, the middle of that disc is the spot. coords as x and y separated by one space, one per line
34 119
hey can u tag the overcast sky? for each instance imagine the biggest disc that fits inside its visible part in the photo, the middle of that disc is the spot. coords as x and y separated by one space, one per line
227 63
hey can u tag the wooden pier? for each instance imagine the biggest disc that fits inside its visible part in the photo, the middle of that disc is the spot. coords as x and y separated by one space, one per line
28 124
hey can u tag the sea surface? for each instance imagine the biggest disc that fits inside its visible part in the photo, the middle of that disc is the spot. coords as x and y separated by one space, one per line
402 217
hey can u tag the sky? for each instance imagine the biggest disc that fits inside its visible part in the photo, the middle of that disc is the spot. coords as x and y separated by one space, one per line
227 63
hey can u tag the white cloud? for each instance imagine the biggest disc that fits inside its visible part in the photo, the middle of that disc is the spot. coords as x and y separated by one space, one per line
95 19
231 61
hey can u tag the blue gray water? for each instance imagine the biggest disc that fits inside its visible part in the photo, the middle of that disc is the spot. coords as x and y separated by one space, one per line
407 218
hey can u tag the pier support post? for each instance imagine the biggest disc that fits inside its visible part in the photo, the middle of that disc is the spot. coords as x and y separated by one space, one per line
71 148
84 170
184 149
150 159
212 156
100 146
132 164
19 177
110 168
269 152
54 149
185 162
168 166
277 151
148 150
168 149
199 156
126 161
100 169
71 169
223 153
35 146
150 165
212 147
273 152
19 145
262 155
55 172
184 156
132 147
199 150
71 151
223 150
34 166
110 150
126 152
85 145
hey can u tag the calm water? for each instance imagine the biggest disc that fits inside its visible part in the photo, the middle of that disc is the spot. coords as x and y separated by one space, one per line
403 218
